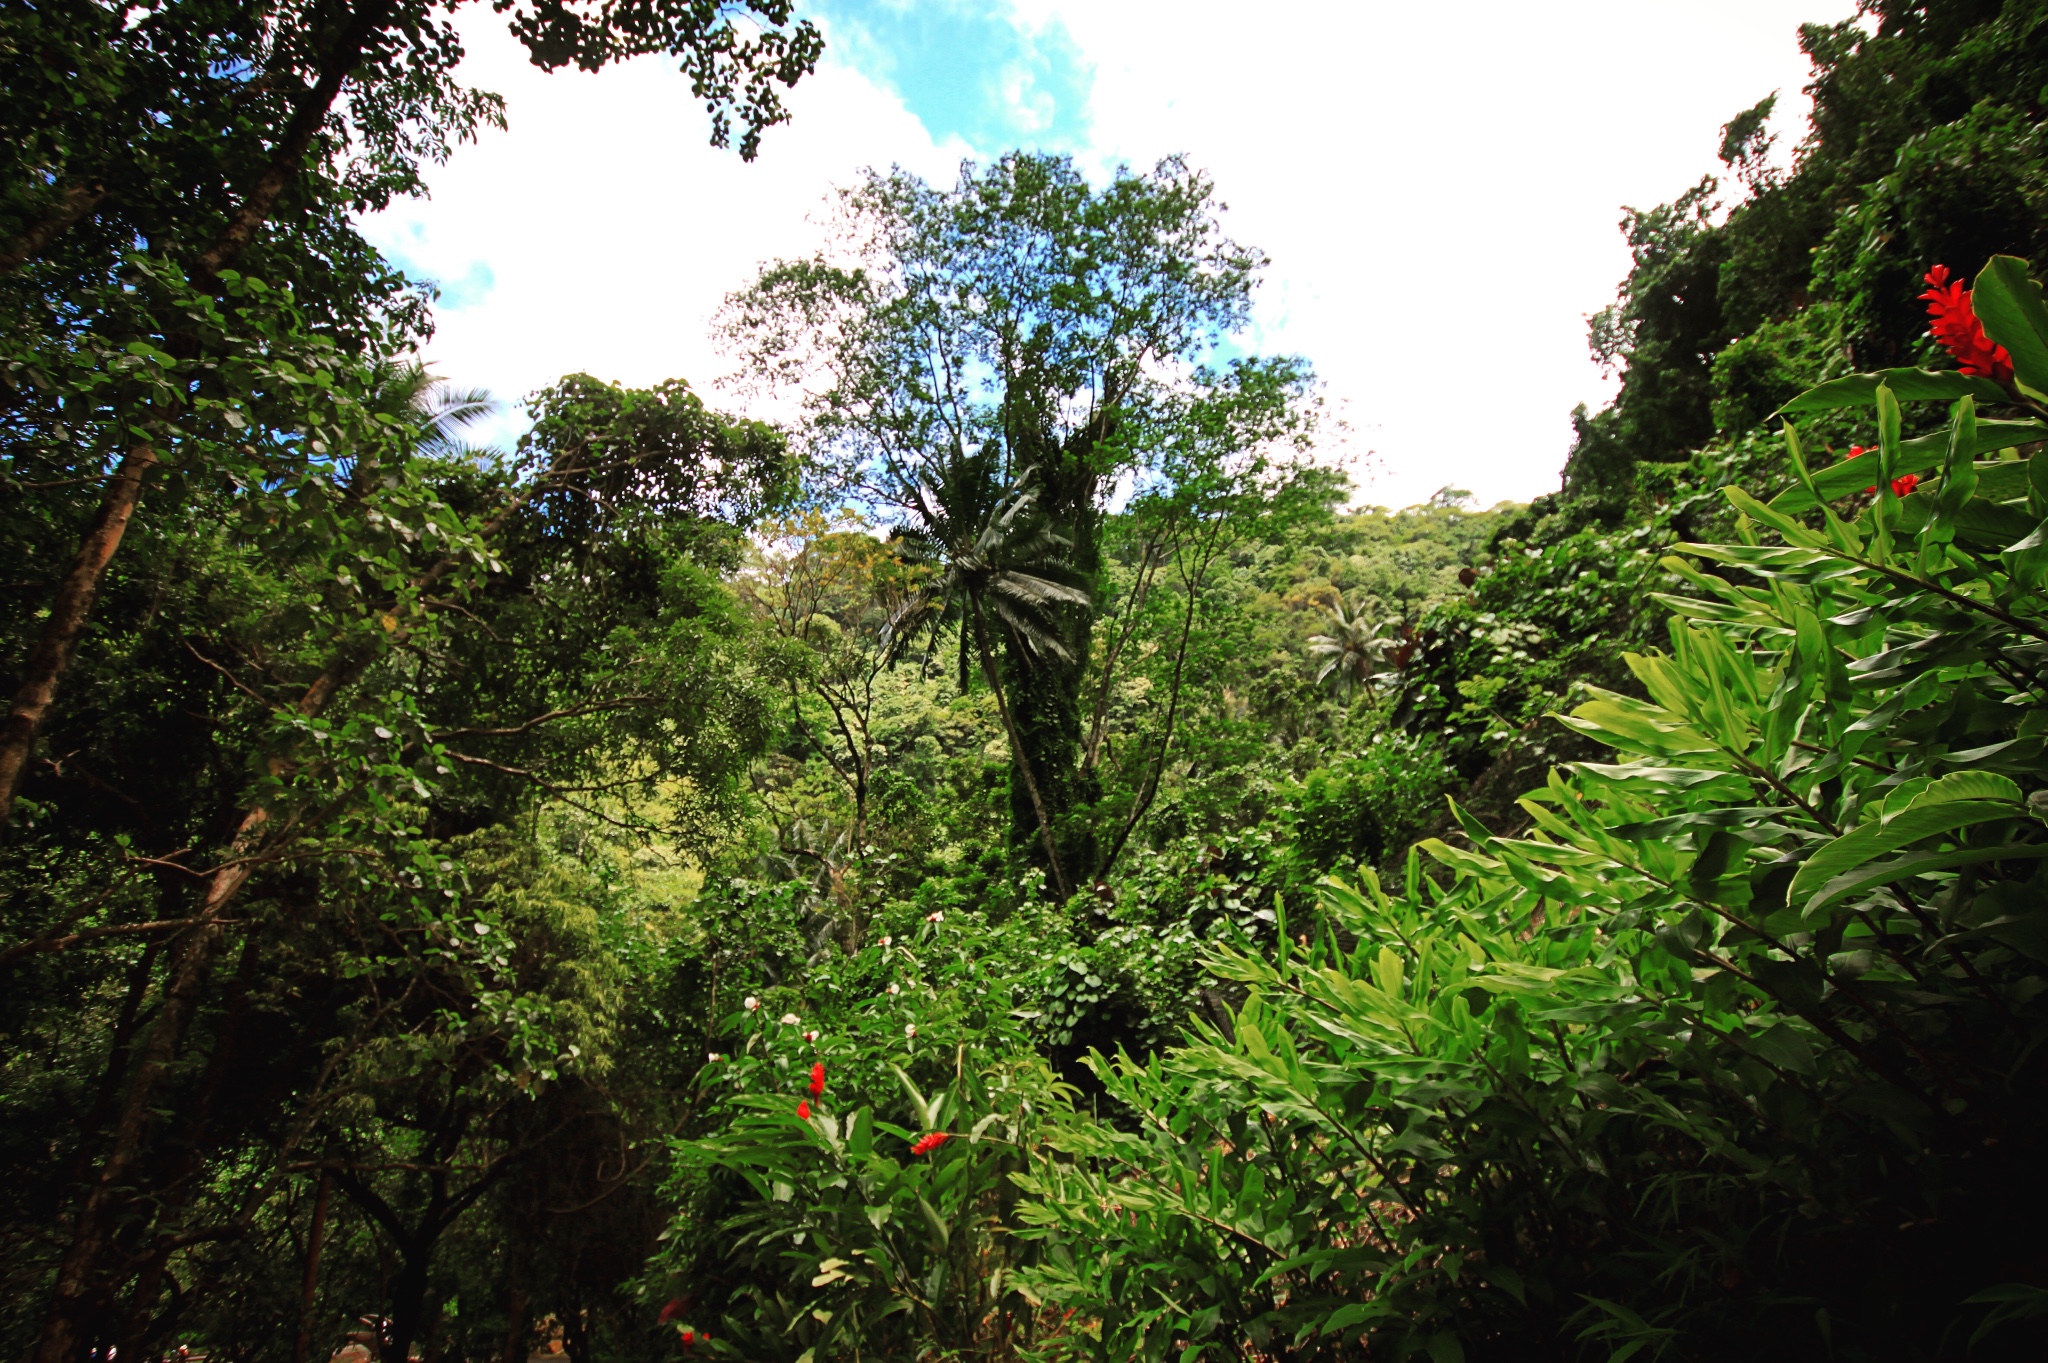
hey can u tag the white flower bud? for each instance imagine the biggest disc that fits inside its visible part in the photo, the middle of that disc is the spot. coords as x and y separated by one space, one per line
752 1003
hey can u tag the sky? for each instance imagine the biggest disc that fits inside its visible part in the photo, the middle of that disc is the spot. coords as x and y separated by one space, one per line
1438 188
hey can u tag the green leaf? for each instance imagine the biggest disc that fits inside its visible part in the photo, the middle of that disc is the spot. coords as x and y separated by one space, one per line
1352 1313
1908 385
1967 785
2010 1301
1871 876
937 1223
1681 778
2027 560
1784 1046
2009 304
1774 517
1922 454
1876 838
860 1133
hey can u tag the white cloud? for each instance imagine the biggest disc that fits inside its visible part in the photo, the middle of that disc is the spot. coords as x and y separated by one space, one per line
1438 188
606 227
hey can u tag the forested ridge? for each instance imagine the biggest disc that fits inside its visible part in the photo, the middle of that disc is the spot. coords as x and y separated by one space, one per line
1016 861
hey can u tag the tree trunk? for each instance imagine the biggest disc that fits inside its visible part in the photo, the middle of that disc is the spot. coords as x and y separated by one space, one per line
1046 694
289 156
73 603
517 1327
1019 761
191 966
309 1288
73 203
69 610
408 1302
71 1299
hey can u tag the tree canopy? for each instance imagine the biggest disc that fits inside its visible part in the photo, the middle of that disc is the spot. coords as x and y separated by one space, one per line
1017 865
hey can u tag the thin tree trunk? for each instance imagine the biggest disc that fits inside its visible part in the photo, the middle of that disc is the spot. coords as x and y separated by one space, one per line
192 960
516 1331
74 600
408 1304
1023 758
69 611
309 1288
135 1331
290 154
191 966
1143 803
1098 724
62 1333
143 1317
72 204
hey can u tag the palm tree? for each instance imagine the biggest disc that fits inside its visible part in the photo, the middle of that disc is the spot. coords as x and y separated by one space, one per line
437 408
1351 651
994 558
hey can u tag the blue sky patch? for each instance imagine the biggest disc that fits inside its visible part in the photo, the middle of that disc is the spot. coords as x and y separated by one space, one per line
969 68
471 288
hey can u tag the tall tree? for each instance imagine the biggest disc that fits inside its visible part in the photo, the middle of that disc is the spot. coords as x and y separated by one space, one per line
425 646
206 137
1029 324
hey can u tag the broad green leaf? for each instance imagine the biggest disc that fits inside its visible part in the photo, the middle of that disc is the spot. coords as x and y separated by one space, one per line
1871 876
1784 1046
1680 778
1922 454
1792 530
1909 385
1967 785
2008 302
1878 838
2027 560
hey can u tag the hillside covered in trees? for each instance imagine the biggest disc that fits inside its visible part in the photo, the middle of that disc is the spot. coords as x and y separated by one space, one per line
1015 862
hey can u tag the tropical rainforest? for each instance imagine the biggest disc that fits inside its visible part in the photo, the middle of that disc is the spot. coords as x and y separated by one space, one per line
1014 861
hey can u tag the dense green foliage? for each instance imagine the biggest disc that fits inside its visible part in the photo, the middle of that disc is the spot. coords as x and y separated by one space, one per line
1011 868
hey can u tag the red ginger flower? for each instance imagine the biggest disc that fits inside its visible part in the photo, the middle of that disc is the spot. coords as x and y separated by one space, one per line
1902 486
803 1109
818 1079
930 1141
1857 452
670 1311
1953 322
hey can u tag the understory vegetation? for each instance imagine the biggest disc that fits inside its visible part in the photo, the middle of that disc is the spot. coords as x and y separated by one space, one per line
1015 863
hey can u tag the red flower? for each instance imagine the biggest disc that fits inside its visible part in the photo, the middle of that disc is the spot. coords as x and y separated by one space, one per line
930 1141
1953 323
818 1079
1854 452
670 1312
689 1338
803 1109
1902 486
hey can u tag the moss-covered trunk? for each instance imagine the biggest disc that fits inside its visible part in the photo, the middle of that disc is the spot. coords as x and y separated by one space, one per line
1045 692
